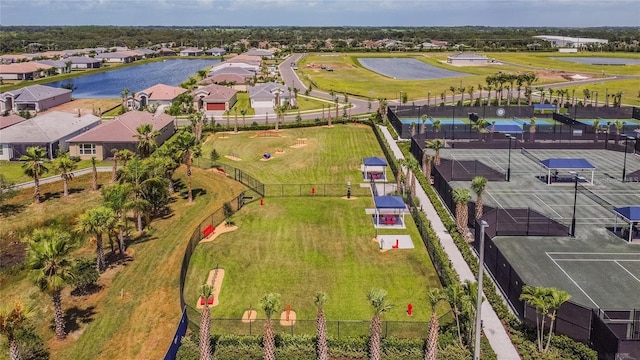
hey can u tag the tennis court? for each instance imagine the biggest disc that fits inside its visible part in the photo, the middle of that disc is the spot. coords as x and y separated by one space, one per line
632 123
443 121
597 267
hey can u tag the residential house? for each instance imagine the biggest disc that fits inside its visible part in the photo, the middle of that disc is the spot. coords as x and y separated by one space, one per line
84 62
463 58
262 53
12 119
60 66
50 131
159 94
116 57
214 97
166 52
35 97
249 66
192 51
270 94
237 76
216 52
144 53
11 58
120 133
23 71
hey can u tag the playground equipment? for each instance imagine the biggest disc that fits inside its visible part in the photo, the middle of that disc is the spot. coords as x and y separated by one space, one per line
410 310
267 156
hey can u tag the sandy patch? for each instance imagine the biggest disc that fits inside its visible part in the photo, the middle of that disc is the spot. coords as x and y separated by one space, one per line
220 229
222 137
351 198
215 279
87 106
298 146
279 151
249 315
291 321
234 158
265 159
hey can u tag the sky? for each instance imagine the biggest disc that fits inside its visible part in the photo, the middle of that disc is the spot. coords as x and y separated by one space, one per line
375 13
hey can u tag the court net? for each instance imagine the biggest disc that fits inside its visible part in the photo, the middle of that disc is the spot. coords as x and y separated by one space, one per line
526 153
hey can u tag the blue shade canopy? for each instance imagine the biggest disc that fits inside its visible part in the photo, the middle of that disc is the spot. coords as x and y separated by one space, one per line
374 161
389 202
544 107
567 163
631 213
516 129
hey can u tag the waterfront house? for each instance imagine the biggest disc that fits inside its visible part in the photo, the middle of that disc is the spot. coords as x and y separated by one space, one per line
23 71
115 57
214 97
159 94
216 52
34 98
84 62
192 51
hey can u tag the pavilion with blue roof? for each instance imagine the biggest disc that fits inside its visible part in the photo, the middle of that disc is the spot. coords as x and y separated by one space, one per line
389 212
570 166
374 168
630 214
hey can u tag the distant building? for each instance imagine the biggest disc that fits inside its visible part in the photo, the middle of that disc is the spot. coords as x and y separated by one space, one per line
263 53
463 58
192 51
216 52
567 41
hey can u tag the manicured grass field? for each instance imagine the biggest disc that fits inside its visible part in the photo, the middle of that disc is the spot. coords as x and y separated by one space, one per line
12 170
298 246
331 156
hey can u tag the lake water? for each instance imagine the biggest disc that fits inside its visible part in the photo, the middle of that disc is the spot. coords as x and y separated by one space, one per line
110 84
407 69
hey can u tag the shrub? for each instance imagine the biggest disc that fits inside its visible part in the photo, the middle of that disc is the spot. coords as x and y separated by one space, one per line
189 349
85 276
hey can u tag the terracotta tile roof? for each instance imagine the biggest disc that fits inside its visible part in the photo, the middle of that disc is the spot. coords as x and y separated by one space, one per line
123 128
6 121
215 92
22 68
162 92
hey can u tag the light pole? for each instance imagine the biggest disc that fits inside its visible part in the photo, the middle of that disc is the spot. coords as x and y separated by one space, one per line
476 349
575 200
509 161
624 165
400 100
428 98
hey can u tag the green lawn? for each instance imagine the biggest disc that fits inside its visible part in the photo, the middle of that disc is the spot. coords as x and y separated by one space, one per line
13 171
297 246
331 156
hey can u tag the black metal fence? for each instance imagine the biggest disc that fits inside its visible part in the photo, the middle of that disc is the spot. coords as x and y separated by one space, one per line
615 334
233 173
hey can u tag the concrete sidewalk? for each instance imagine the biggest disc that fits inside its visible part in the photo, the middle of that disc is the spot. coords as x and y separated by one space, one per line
493 329
55 178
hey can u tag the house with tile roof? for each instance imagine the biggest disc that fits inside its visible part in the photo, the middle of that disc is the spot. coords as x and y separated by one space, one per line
270 94
23 70
120 133
214 97
159 94
263 53
84 62
192 51
11 58
216 52
60 66
34 98
116 57
50 131
12 119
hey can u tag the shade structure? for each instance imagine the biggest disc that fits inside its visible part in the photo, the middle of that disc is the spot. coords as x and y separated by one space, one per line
572 164
630 214
389 211
374 168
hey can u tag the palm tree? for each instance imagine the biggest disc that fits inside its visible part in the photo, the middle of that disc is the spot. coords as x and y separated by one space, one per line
11 322
269 303
619 125
481 126
116 197
64 166
461 197
532 129
171 160
436 145
97 221
51 269
454 293
453 95
423 120
596 129
470 92
114 169
235 123
322 348
125 155
35 164
555 299
478 184
206 292
202 74
435 296
146 137
94 173
536 298
187 147
197 124
437 125
426 164
243 112
378 300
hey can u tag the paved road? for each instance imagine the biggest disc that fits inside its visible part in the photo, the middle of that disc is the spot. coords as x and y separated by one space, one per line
493 329
55 178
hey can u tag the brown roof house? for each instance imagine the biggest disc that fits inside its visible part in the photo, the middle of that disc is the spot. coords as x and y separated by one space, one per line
23 71
34 97
50 131
120 133
159 94
6 121
214 98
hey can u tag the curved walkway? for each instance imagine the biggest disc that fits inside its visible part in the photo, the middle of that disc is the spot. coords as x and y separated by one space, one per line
55 178
493 329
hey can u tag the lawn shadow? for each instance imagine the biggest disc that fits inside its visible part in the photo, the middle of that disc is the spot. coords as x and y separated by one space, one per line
142 238
86 290
194 193
11 209
76 316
